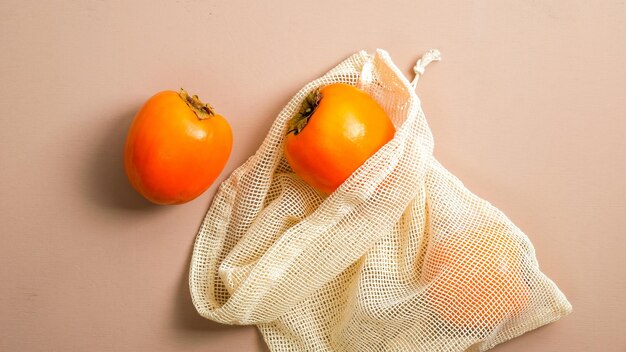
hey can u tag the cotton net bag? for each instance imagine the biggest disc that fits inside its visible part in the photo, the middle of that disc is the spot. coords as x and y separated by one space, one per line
401 257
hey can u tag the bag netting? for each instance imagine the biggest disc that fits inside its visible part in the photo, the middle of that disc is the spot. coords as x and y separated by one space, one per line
401 257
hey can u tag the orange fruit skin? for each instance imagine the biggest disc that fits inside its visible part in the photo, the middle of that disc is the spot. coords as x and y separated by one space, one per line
171 156
347 127
475 279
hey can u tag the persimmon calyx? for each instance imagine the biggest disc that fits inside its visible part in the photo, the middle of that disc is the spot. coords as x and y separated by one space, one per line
302 117
202 110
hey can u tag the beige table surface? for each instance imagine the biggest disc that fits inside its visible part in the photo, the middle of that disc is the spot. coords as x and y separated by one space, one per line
528 108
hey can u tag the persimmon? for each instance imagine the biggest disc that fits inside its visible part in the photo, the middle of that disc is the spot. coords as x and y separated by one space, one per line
475 278
336 130
176 147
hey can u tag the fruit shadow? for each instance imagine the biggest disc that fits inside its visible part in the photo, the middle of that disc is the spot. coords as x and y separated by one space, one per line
106 176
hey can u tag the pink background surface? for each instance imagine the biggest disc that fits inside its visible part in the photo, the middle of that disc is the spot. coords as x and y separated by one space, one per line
527 108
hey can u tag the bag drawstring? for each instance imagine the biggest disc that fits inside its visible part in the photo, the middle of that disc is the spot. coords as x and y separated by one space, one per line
430 56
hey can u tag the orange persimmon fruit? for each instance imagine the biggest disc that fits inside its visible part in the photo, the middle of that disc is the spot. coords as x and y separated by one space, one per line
336 130
474 278
175 148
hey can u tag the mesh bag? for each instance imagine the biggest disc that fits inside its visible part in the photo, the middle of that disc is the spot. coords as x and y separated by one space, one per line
401 257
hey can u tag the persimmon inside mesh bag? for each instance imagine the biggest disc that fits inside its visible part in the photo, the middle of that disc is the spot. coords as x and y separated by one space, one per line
401 257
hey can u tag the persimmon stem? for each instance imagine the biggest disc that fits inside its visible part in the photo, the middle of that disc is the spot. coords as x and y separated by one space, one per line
202 110
299 121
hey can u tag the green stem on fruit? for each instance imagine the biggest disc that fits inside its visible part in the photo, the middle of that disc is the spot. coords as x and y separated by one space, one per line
302 117
202 110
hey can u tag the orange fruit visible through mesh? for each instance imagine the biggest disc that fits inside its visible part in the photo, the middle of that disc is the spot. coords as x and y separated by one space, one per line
475 279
